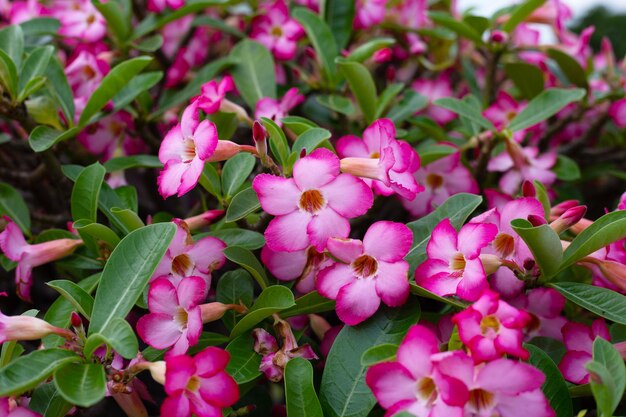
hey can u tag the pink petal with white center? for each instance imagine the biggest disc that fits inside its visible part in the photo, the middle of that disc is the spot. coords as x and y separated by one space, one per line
162 297
220 390
190 177
326 224
392 284
572 366
330 280
475 236
526 404
285 266
176 406
316 170
416 349
441 283
474 281
346 250
210 361
205 138
388 241
520 377
348 196
289 232
180 347
158 330
352 146
277 195
391 383
443 241
170 177
510 182
457 364
12 242
191 292
189 120
207 254
357 301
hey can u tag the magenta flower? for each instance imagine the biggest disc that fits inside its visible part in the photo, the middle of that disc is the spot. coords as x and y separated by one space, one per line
521 164
578 339
185 258
442 179
85 72
453 265
198 385
434 90
503 110
303 266
314 205
80 20
545 306
175 318
369 13
277 31
380 156
275 109
13 410
158 6
413 383
491 328
617 112
15 247
22 11
213 93
372 270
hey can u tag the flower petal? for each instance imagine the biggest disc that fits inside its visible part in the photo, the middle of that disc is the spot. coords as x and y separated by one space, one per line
277 195
330 280
158 330
289 232
357 301
326 224
392 284
388 241
346 250
348 195
315 170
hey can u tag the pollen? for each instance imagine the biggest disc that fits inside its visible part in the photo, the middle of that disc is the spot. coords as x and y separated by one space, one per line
365 266
181 317
458 262
312 201
427 390
194 384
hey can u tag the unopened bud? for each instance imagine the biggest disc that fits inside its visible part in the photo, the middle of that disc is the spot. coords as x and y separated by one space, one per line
76 320
28 328
536 221
382 55
491 263
259 134
390 73
319 325
498 36
204 219
528 189
302 153
310 52
568 219
215 311
561 208
529 264
157 371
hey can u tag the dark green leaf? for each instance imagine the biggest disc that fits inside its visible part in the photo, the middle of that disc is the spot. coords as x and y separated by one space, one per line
433 152
118 22
339 14
423 292
554 386
253 71
248 239
322 39
362 86
40 26
464 109
244 361
118 335
272 300
337 103
84 200
136 161
13 205
136 86
277 140
210 181
81 384
369 48
570 67
601 301
457 26
47 401
235 172
44 137
308 304
245 258
244 203
310 140
12 43
57 82
35 65
411 103
520 13
300 393
608 376
566 169
527 78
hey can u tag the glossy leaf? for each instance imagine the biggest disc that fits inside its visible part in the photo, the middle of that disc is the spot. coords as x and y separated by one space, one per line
601 301
248 261
47 401
277 141
234 287
244 238
236 171
300 395
608 376
244 361
310 140
362 86
119 335
545 105
253 71
81 384
554 386
75 295
128 218
84 200
118 23
544 244
566 169
35 65
309 303
13 205
381 353
434 152
39 26
272 300
321 38
8 74
44 137
136 86
12 43
210 181
57 82
244 203
337 103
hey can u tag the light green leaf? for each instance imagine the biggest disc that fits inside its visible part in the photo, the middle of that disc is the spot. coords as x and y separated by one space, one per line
35 65
12 43
13 205
527 78
369 48
300 393
520 13
457 26
464 109
608 376
381 353
84 200
118 335
272 300
253 71
310 140
309 303
244 361
411 103
236 171
245 258
362 86
277 140
322 39
554 387
75 295
244 238
545 105
43 137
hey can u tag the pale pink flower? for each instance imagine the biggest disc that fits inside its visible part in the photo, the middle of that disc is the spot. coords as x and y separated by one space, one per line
435 89
110 135
369 13
158 6
303 266
545 306
212 94
503 110
277 31
80 20
370 271
312 206
179 69
198 385
521 164
578 339
277 109
8 408
453 265
85 72
14 328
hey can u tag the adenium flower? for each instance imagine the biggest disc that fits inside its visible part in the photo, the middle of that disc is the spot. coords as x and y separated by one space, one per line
212 94
372 270
277 109
578 339
617 113
109 134
303 266
380 156
198 385
491 328
277 31
453 265
8 408
434 90
312 206
544 306
28 328
80 20
503 110
15 247
158 6
85 72
369 13
22 11
185 258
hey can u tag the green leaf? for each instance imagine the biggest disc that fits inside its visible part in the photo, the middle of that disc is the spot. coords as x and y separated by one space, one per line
322 39
387 96
84 200
244 203
253 71
35 65
12 43
234 287
244 361
339 14
309 303
608 376
381 353
236 171
369 48
127 272
411 103
246 259
456 208
35 84
343 391
542 196
244 238
210 181
337 103
300 393
545 105
297 125
362 86
13 205
570 67
310 140
58 84
554 387
43 137
40 26
136 161
601 301
433 152
423 292
112 84
8 74
277 140
457 26
150 44
544 244
527 78
81 384
136 86
117 23
75 295
607 229
271 300
128 218
26 372
566 169
520 13
118 335
464 109
97 231
47 401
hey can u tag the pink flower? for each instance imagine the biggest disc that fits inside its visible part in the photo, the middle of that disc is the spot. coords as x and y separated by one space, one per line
503 110
22 11
442 179
179 69
434 90
9 408
277 31
453 265
312 206
15 247
544 306
85 72
617 112
492 328
372 270
158 6
369 13
175 318
80 20
198 385
110 135
27 328
276 110
303 266
578 339
380 156
413 383
185 258
213 93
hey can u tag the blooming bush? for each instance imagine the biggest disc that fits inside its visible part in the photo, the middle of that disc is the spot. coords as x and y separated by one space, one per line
309 208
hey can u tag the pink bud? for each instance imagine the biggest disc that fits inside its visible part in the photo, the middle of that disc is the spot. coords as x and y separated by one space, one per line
259 134
568 219
536 221
76 320
498 36
390 73
561 208
204 219
302 153
225 150
529 264
215 311
528 189
382 55
28 328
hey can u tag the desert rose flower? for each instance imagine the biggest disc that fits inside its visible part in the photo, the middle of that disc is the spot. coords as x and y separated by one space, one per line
380 156
158 6
9 408
503 110
198 385
277 31
544 306
617 112
369 13
370 271
80 20
28 328
22 11
303 266
185 258
453 265
212 94
277 109
85 72
15 247
491 328
314 205
434 90
578 339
